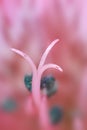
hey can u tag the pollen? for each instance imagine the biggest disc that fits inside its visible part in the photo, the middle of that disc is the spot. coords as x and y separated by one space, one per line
28 82
49 85
56 114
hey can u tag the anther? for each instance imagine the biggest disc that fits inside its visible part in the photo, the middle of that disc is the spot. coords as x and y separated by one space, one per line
28 82
48 85
9 105
56 114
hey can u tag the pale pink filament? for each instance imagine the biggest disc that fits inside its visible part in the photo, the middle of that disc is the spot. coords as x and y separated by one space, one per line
51 66
44 56
26 57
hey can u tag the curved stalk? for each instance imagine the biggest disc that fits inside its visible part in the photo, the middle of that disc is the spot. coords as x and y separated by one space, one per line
36 89
44 56
49 66
26 57
43 114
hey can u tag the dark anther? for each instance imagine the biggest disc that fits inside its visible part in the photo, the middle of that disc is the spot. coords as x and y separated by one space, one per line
48 85
56 114
28 82
47 82
9 105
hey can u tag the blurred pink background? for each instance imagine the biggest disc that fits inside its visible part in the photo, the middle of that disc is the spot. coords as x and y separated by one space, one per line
30 26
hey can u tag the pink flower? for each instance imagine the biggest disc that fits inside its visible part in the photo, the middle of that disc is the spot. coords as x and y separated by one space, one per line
40 101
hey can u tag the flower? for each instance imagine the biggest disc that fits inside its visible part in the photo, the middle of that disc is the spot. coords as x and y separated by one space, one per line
37 73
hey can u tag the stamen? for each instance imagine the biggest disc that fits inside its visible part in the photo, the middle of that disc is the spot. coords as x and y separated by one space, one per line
28 82
56 114
9 105
49 85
